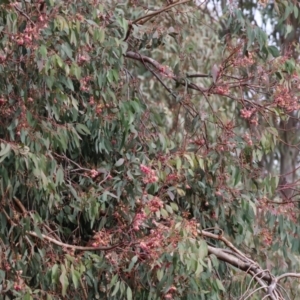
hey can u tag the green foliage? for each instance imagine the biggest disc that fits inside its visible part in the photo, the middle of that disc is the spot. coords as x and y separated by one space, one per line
112 165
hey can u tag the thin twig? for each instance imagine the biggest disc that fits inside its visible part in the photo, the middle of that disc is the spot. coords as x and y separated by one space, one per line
281 287
152 15
198 76
23 13
163 84
253 292
253 278
70 160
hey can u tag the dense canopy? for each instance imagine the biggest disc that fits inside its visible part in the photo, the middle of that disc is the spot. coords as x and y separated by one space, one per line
149 149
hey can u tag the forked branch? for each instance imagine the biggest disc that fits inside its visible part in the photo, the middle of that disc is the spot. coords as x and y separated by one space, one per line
239 260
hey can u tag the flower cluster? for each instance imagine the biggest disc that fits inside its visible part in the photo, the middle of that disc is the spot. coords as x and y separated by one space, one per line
92 100
166 71
150 176
198 142
100 238
138 220
267 237
94 173
221 90
191 226
155 204
171 290
31 32
19 284
99 109
2 101
247 113
284 99
84 83
248 139
81 59
172 177
153 242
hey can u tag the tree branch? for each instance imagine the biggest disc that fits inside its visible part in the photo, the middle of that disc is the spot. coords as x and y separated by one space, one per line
152 15
239 260
227 243
240 264
23 13
287 275
162 83
168 73
83 248
198 76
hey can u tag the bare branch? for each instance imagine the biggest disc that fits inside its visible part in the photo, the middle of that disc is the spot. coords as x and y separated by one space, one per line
23 13
227 243
144 19
244 295
239 260
54 241
20 205
198 76
70 160
162 83
287 275
238 263
253 292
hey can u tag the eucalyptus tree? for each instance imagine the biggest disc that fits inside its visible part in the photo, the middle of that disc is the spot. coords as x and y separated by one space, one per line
141 148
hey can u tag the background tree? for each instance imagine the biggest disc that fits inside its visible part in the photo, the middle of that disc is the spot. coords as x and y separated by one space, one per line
149 150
